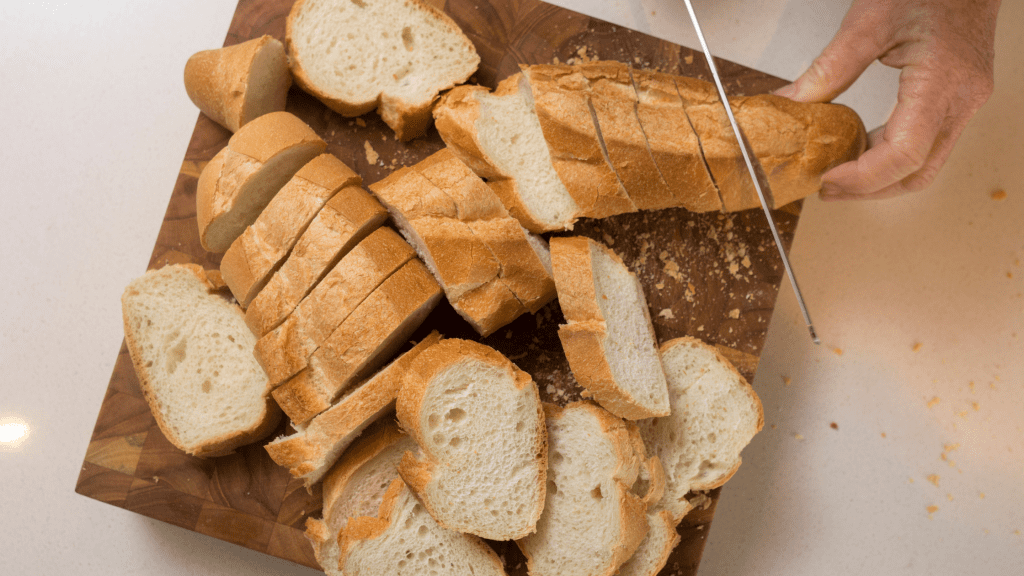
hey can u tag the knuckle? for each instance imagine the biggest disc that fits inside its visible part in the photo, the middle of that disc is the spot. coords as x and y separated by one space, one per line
908 156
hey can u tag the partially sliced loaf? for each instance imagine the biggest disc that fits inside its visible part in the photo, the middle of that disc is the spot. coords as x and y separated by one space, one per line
310 452
615 103
404 540
568 122
234 84
192 354
480 427
499 136
365 340
260 158
392 55
349 216
593 520
284 350
355 487
715 414
524 258
608 338
673 142
256 254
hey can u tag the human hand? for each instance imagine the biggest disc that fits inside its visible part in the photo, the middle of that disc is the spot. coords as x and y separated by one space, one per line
945 50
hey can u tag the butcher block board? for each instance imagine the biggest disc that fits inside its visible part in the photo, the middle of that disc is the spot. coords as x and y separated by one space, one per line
712 276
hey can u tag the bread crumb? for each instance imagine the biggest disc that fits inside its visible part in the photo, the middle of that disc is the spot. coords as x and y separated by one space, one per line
659 285
746 260
932 510
975 405
910 480
689 60
360 122
700 328
999 195
371 154
837 350
608 239
933 402
666 313
833 425
981 495
949 497
786 380
883 434
798 436
934 479
734 313
917 347
971 386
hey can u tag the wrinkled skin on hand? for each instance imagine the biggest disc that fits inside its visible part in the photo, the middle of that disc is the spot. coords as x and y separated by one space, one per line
945 50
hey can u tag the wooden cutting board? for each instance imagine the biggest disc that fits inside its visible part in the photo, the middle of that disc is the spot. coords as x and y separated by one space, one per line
712 276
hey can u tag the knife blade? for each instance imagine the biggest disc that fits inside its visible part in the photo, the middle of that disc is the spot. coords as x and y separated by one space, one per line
756 172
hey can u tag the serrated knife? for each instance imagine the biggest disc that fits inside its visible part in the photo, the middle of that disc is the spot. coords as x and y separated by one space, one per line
756 171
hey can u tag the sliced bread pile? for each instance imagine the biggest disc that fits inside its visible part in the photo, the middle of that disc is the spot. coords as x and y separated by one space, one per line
235 84
372 524
394 56
619 140
478 422
193 355
594 517
608 337
492 270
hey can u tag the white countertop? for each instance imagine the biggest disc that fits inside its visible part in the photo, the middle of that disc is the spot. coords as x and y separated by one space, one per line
918 300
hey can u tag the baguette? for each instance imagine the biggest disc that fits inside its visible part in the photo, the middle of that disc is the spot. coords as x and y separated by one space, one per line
499 136
419 52
235 84
309 453
593 518
259 159
404 540
349 217
615 106
608 338
364 341
674 144
355 487
191 353
479 425
254 256
285 350
567 121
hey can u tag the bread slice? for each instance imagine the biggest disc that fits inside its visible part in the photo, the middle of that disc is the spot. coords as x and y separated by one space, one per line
355 487
404 540
652 554
234 84
256 254
284 350
310 452
563 108
392 55
192 354
480 427
615 103
715 414
349 217
608 338
260 158
593 519
499 136
364 341
673 141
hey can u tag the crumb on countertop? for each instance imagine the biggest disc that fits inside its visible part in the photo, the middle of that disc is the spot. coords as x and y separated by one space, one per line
933 478
786 380
798 436
917 347
932 510
999 194
834 426
837 350
935 400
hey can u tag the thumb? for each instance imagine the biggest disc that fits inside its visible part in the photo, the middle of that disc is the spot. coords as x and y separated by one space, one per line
850 52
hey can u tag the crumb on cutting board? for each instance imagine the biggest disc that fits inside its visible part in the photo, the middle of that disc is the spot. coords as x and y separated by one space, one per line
371 154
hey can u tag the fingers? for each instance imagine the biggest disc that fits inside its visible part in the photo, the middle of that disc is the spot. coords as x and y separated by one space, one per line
857 44
910 150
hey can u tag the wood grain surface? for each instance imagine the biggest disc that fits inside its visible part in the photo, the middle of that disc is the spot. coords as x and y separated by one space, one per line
713 276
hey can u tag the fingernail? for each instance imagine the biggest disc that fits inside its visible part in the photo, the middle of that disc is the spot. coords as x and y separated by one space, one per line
788 91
